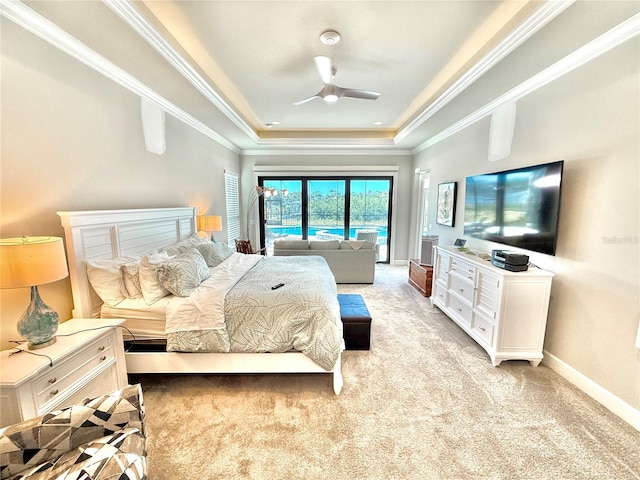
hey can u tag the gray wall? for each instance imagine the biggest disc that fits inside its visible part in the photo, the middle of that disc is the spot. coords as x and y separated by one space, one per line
72 140
590 119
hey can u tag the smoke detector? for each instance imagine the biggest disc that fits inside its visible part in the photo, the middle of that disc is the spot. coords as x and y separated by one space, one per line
330 37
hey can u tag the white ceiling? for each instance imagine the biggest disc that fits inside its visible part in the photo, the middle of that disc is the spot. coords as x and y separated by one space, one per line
258 55
249 61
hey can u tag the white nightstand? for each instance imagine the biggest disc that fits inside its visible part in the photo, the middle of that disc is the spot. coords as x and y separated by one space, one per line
87 361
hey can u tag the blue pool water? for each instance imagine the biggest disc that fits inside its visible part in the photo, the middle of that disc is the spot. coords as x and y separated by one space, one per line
279 230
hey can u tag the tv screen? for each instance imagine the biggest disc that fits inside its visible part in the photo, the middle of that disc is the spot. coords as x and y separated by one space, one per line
517 207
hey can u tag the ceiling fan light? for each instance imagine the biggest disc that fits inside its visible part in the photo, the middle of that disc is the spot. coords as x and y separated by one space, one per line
331 98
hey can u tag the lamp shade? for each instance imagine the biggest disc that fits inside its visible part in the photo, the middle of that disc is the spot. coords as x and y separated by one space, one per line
210 223
29 261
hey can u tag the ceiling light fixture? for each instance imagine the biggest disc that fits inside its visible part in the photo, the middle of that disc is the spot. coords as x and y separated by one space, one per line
330 37
272 123
377 124
330 94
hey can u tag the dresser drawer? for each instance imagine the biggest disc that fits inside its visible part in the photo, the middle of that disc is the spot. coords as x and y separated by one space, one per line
461 310
443 265
464 269
488 294
439 294
56 381
483 329
462 288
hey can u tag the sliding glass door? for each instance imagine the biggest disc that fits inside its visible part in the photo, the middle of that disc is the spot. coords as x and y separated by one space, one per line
369 213
326 200
336 208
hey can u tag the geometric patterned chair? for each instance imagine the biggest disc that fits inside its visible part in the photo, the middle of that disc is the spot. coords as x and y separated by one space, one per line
100 439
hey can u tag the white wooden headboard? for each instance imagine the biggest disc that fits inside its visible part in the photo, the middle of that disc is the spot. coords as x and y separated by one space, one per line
105 234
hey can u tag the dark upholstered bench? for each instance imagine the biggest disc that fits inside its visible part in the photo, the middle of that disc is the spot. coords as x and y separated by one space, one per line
356 321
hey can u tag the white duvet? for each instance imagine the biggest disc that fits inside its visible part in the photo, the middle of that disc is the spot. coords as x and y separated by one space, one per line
236 310
204 308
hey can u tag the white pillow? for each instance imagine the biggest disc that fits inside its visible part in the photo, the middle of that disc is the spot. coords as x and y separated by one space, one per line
152 290
106 279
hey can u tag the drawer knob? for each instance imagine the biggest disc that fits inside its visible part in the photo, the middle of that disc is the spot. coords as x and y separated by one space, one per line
481 328
470 277
459 309
53 380
103 358
53 393
101 349
461 289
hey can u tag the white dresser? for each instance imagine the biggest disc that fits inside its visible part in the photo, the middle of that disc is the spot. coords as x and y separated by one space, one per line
86 361
505 312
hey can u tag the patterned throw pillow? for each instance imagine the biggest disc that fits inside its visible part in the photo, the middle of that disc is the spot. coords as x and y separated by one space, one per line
182 274
214 253
131 280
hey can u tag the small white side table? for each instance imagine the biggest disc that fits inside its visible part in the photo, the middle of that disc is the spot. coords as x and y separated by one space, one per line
86 361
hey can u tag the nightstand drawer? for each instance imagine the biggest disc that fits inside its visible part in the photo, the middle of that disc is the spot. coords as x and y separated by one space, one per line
56 381
88 361
105 382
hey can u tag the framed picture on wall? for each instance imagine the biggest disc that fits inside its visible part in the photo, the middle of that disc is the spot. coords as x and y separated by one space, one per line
446 213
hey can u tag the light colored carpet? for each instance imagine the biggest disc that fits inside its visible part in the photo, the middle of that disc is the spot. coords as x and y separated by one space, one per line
423 403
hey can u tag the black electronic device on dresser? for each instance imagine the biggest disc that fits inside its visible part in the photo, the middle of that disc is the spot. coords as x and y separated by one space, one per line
514 262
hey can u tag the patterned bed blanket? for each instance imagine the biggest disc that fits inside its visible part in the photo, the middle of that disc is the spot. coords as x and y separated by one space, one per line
236 310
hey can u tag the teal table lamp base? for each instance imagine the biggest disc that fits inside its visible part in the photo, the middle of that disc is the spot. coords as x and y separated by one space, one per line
38 325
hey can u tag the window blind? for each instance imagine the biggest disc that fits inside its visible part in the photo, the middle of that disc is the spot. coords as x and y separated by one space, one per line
233 206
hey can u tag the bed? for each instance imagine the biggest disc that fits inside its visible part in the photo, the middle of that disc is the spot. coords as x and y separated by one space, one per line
103 235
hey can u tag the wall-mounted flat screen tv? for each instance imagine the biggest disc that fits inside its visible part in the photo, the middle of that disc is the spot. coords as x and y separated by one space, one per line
517 207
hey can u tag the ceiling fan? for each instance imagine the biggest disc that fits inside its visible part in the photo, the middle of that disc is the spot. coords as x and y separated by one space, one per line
330 93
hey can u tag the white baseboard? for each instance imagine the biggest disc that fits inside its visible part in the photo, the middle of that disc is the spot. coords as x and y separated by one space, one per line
622 409
400 262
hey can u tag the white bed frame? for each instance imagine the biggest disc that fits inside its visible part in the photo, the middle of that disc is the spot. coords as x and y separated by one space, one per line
105 234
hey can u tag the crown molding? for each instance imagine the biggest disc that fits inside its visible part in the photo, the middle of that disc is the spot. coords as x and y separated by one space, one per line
541 17
33 22
614 37
373 169
126 10
332 151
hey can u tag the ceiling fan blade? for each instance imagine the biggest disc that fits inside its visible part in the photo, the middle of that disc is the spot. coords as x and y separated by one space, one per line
300 102
363 94
323 65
